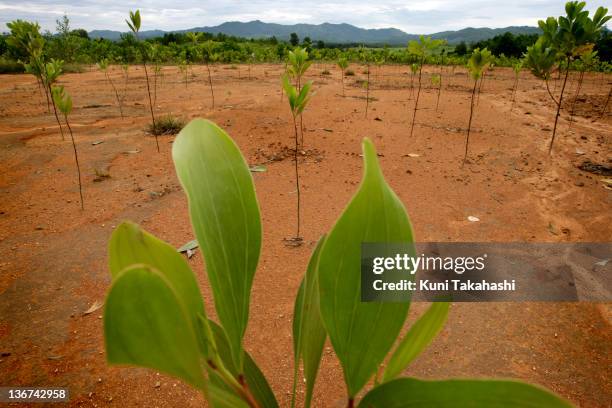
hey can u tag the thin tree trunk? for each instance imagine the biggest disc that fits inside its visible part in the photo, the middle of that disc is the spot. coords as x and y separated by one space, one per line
603 110
297 176
416 101
367 90
144 64
55 112
76 159
212 93
514 93
439 89
576 98
467 139
116 93
552 140
343 82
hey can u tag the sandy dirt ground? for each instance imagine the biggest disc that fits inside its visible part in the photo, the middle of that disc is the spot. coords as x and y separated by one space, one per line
53 255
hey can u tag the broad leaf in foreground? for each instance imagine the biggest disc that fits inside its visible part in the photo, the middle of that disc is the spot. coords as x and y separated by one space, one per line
145 324
308 331
422 332
225 216
361 333
412 393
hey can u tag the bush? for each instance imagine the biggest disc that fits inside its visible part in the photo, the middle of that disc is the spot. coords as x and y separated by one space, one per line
166 125
10 67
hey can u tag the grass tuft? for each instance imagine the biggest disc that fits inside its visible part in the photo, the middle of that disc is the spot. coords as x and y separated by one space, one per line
166 125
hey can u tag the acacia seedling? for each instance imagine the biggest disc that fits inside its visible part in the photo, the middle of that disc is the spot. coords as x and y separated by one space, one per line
477 64
421 49
516 68
63 101
154 314
297 65
297 102
134 25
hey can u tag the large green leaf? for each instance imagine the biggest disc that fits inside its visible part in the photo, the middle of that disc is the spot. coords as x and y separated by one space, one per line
361 333
131 245
417 339
257 383
146 324
225 217
222 398
308 331
411 393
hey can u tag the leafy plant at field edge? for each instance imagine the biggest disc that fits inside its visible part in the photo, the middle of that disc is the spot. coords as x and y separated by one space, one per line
562 40
154 314
297 103
134 25
477 64
63 101
103 65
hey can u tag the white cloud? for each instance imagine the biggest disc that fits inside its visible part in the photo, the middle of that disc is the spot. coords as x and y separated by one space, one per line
413 17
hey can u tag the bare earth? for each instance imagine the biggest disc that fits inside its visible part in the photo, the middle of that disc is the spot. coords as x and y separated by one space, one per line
53 255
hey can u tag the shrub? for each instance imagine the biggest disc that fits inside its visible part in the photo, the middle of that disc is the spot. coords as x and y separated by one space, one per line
11 67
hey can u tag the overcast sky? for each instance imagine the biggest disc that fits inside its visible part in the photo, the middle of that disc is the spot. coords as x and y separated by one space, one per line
416 17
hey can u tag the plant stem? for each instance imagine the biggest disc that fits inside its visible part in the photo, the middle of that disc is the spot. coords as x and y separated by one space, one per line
297 176
514 92
552 140
367 90
55 112
351 403
603 110
416 101
144 64
116 93
439 89
575 98
76 159
212 93
343 82
467 139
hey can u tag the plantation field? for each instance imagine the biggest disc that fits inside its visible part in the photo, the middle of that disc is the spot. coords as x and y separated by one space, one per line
53 255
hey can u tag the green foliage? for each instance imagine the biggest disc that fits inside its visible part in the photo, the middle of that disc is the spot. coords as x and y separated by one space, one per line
24 39
297 100
225 216
410 392
308 332
479 61
417 339
154 315
541 59
62 99
298 63
343 63
134 21
425 47
361 333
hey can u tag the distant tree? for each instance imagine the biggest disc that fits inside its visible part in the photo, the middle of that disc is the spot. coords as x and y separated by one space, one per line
307 43
320 44
603 46
294 39
273 40
461 48
80 32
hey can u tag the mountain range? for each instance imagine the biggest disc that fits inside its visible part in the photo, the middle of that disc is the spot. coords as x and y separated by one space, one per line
330 33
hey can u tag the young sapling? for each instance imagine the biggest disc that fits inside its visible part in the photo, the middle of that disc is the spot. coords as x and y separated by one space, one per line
63 101
343 65
477 64
134 25
103 65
